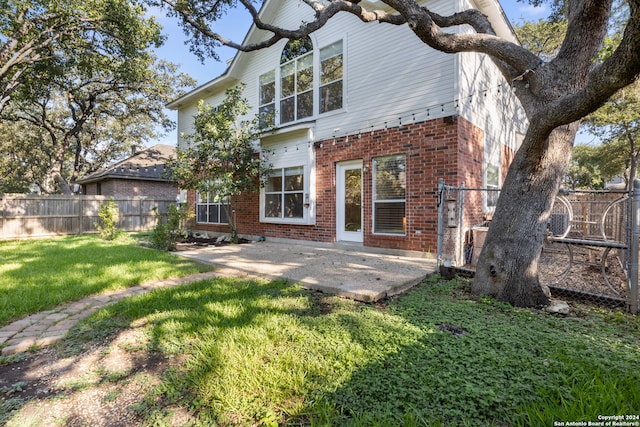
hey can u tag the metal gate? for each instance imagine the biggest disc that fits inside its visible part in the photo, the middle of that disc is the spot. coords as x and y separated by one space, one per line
591 248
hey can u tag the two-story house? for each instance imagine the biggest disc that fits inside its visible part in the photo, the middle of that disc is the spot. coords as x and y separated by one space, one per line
367 118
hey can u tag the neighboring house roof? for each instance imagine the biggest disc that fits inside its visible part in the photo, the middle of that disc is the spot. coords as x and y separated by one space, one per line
146 165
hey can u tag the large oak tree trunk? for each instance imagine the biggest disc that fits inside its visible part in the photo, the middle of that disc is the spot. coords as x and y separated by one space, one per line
508 265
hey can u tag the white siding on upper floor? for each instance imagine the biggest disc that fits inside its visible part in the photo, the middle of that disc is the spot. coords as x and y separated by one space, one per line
487 98
389 74
186 114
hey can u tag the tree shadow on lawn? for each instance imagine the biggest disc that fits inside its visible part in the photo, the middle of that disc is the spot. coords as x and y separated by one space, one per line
474 361
435 354
250 352
54 271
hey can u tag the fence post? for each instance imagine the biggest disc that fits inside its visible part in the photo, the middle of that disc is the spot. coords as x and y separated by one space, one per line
633 247
440 204
80 208
460 255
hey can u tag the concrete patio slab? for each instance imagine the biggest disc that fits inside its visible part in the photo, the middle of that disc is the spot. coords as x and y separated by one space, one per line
348 270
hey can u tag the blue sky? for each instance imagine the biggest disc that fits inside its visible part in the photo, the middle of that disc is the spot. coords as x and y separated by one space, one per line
235 25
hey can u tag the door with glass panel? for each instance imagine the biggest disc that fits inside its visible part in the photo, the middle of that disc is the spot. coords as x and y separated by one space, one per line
349 201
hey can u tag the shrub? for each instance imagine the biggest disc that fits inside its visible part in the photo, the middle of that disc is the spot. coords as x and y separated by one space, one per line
107 225
167 232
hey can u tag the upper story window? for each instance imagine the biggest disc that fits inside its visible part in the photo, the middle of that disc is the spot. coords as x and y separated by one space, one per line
305 83
296 48
267 100
331 77
296 80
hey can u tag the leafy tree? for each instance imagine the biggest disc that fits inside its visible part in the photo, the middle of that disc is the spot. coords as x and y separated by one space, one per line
36 35
86 89
585 171
20 164
221 155
543 38
168 231
108 217
555 93
617 124
84 122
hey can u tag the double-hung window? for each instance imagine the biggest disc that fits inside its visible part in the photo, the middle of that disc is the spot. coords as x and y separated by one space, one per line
389 194
331 77
284 193
267 98
491 164
492 182
210 209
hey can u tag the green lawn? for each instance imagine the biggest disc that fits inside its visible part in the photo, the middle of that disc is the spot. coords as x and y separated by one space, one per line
256 353
37 275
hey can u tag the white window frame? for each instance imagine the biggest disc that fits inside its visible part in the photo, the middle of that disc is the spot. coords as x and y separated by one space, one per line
341 79
316 85
304 219
282 193
270 107
207 204
491 171
375 201
295 95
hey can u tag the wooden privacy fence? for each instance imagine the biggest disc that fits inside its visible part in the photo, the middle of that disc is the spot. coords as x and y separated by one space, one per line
23 216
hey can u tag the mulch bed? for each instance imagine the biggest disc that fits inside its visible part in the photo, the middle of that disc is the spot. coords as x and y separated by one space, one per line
191 241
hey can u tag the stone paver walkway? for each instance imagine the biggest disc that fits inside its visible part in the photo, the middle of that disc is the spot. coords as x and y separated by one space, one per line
48 327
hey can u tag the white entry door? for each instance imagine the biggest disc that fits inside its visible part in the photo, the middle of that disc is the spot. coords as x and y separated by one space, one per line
349 201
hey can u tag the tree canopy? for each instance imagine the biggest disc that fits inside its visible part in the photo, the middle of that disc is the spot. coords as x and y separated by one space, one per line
79 86
39 37
617 125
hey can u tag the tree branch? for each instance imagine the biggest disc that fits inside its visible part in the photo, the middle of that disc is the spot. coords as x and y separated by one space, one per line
603 81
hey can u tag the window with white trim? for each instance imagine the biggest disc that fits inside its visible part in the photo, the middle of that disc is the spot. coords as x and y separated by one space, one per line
210 209
296 80
492 182
304 84
389 194
284 193
331 77
491 173
267 98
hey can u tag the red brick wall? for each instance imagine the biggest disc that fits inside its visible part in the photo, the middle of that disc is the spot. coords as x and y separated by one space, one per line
132 187
470 170
433 149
